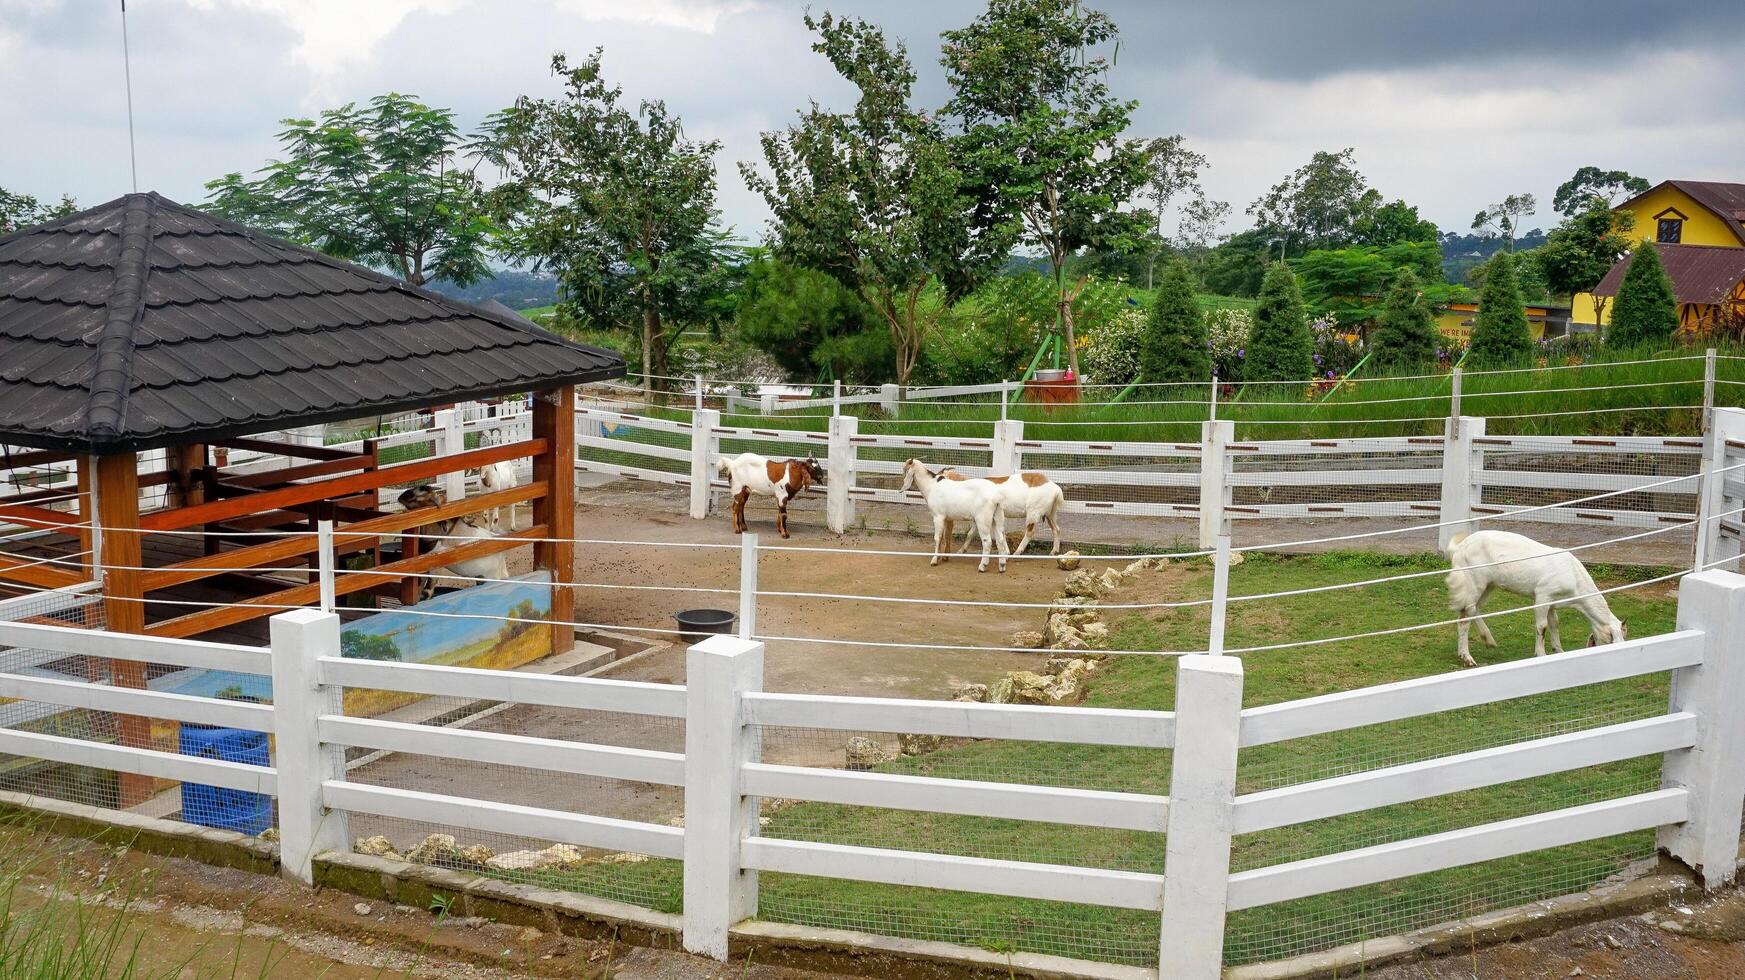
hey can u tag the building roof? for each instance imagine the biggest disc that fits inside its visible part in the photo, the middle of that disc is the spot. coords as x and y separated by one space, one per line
142 323
1699 273
1727 201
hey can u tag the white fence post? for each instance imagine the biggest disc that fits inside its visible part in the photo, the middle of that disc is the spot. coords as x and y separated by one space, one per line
699 402
1460 464
1454 394
889 399
766 403
1718 491
450 440
1220 595
718 815
1006 456
1712 770
1202 800
325 560
1214 481
704 448
1708 389
306 827
835 397
747 585
839 472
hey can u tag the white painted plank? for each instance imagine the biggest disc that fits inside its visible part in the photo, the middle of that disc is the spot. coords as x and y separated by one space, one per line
556 755
146 704
1487 842
1462 689
580 829
144 762
964 719
1331 479
634 448
1470 770
1009 801
1551 480
586 693
1017 879
633 472
127 646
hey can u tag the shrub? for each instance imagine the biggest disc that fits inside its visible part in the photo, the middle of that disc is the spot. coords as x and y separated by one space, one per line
1280 347
1228 329
1500 337
1645 313
1405 333
1337 350
1110 354
1174 347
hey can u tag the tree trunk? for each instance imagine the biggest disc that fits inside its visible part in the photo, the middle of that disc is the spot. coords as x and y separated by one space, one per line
650 330
1065 318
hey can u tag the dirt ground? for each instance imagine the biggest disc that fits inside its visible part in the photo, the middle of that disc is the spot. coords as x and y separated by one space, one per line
191 920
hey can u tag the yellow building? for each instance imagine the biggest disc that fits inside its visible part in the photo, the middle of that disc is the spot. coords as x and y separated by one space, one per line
1703 214
1455 320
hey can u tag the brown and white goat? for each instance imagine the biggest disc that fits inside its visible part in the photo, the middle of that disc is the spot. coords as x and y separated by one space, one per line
487 567
1032 496
783 479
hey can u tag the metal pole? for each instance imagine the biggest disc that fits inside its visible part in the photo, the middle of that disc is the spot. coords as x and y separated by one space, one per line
324 564
747 585
1454 401
1708 389
1220 594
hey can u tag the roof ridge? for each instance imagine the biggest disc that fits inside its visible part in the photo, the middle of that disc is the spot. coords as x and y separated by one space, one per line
111 369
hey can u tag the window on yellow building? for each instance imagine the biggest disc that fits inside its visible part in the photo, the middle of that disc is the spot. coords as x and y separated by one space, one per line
1669 227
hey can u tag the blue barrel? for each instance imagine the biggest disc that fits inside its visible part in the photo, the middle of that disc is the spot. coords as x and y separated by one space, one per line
216 806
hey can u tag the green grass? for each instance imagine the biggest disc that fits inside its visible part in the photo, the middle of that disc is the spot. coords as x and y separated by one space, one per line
1149 682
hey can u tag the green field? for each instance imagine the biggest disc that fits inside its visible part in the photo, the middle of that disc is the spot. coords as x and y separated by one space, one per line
1147 682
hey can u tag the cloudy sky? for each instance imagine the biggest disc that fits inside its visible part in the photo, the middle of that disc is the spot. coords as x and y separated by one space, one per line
1450 105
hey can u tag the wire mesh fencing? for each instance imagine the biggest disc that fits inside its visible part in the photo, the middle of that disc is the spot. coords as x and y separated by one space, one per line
620 876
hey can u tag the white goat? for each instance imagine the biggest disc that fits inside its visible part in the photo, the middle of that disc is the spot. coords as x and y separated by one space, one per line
977 501
1516 563
783 479
1032 496
497 476
471 526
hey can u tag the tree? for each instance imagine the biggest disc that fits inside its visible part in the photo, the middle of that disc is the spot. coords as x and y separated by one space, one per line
359 645
1394 223
1041 134
619 203
1579 252
1201 218
1174 346
1646 312
1171 168
811 324
1237 265
22 210
380 184
872 196
1591 187
1500 336
1405 332
1349 283
1502 219
1280 347
1319 205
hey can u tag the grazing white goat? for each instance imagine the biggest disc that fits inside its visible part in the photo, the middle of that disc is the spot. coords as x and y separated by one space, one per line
471 526
977 501
1516 563
1032 496
497 476
783 479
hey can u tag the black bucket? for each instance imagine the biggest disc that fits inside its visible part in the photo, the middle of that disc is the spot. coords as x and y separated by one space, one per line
696 624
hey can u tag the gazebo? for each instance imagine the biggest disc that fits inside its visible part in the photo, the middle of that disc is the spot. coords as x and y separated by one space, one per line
143 325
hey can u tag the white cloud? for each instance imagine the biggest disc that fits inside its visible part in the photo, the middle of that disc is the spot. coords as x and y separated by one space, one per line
334 34
701 16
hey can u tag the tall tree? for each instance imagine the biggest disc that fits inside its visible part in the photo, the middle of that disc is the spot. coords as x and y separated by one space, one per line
1171 169
1318 205
1405 332
1647 313
1503 219
1042 134
1500 336
1393 223
22 210
381 184
1579 252
1201 218
1280 347
1174 346
1592 186
811 324
872 196
618 202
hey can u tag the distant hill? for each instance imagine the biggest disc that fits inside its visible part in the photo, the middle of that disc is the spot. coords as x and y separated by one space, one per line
513 288
1461 252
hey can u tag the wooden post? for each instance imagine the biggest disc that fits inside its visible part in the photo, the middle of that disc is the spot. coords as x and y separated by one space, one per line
839 472
1202 801
704 447
90 536
300 639
1214 480
1460 462
1713 769
121 556
554 420
719 816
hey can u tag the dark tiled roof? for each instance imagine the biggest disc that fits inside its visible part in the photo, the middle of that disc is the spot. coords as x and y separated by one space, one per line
143 323
1699 273
1727 201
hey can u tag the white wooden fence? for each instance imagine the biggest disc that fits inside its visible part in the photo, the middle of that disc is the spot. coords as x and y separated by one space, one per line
1696 810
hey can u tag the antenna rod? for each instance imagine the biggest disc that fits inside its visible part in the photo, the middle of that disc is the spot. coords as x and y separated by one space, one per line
127 73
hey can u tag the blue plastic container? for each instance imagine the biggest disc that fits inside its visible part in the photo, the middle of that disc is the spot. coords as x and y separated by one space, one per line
216 806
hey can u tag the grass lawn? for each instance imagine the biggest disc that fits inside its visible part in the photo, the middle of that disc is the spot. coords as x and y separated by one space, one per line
1143 682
